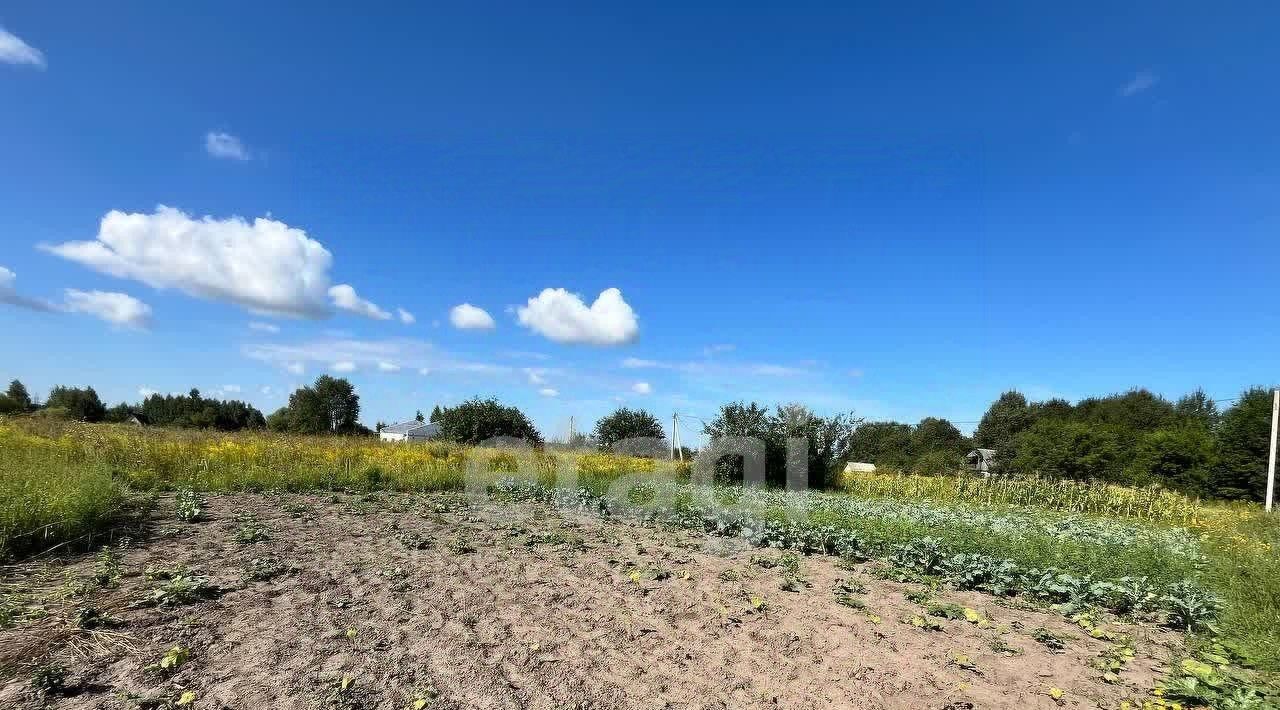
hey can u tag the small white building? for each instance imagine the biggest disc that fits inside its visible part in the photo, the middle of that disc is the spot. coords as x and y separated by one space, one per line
409 431
859 467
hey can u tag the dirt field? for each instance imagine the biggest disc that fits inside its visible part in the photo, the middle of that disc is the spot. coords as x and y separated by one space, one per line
518 606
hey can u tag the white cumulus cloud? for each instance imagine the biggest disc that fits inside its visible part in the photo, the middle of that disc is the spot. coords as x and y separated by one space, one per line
225 145
406 317
564 317
344 366
265 265
14 51
469 317
345 298
385 366
116 308
549 392
642 388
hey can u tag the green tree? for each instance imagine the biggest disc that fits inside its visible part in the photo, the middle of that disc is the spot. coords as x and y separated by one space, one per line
79 404
935 435
625 423
1005 419
17 393
117 414
1071 449
885 444
419 416
1181 458
340 403
1137 410
478 420
738 419
1197 408
827 441
279 420
1244 439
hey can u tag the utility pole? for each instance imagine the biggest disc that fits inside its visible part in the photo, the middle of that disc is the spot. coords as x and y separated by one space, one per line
570 442
1271 462
676 449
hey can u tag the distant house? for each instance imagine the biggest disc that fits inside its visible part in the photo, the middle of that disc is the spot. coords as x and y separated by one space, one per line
981 461
858 467
409 431
136 420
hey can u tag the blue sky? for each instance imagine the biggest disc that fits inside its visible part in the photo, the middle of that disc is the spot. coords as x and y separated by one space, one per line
900 211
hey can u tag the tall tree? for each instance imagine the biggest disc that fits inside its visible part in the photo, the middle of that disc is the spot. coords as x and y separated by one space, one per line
1197 408
1007 417
935 435
885 444
340 402
1244 440
625 423
827 439
80 404
17 393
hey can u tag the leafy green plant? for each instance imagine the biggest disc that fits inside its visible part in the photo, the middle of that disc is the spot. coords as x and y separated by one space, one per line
1054 642
955 612
263 569
49 679
460 545
171 661
106 571
1190 607
251 532
180 590
89 618
188 505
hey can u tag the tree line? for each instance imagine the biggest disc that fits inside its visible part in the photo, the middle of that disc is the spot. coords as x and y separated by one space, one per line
191 410
1131 438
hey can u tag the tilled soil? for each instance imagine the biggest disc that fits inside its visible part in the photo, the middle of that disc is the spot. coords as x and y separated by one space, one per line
521 606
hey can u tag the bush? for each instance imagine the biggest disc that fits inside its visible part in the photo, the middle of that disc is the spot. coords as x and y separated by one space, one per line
479 420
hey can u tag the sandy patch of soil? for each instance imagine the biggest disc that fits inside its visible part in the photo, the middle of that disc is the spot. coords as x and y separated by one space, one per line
519 606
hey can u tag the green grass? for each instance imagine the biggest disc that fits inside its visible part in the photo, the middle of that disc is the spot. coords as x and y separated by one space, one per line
44 501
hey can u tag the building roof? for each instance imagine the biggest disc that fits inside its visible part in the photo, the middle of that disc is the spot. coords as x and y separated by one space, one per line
407 427
984 453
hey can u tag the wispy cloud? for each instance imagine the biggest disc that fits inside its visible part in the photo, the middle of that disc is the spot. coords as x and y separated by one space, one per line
116 308
1142 81
264 327
406 317
373 354
721 367
14 51
225 145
